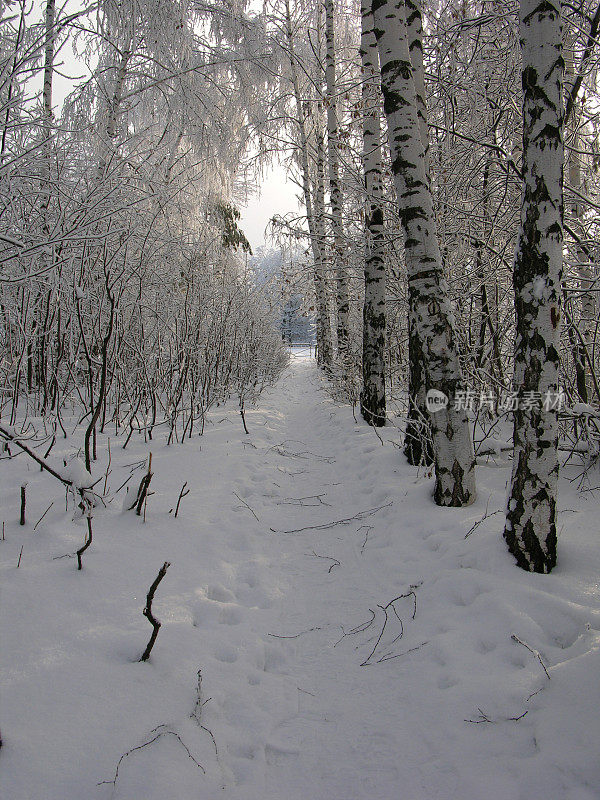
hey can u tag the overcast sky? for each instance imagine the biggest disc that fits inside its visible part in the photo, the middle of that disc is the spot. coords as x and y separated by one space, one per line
276 196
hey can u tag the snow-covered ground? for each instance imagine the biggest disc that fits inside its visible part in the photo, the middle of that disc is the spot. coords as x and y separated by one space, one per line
294 546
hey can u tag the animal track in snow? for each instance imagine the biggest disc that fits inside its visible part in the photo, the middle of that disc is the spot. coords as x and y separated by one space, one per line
447 682
274 659
220 594
230 615
226 654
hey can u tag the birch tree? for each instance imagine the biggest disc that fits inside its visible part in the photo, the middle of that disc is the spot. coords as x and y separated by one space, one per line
453 451
311 203
417 439
335 191
372 399
530 530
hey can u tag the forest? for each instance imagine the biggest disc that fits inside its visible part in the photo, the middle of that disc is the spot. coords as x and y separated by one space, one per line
442 267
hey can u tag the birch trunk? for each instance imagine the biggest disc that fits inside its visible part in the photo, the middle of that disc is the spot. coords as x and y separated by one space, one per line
324 342
320 233
530 530
417 438
335 192
372 399
581 348
433 319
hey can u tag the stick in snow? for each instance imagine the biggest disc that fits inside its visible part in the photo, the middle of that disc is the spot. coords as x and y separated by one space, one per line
183 493
22 520
142 489
86 544
147 612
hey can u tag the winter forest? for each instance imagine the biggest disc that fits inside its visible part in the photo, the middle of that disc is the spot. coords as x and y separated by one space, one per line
316 521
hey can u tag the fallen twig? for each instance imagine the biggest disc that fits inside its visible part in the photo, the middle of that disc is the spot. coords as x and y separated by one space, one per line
197 712
368 528
43 515
389 657
243 502
167 732
485 516
296 635
483 717
358 629
336 563
385 608
300 501
532 651
346 521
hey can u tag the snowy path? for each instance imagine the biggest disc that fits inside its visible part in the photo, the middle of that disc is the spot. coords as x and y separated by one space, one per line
295 711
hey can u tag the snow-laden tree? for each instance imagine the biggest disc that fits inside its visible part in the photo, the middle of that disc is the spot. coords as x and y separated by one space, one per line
121 288
530 529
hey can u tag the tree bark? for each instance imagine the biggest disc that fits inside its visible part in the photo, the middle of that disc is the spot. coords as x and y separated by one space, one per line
433 318
324 342
372 399
418 447
530 530
335 190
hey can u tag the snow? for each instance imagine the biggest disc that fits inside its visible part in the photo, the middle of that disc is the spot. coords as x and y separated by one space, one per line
76 472
302 697
539 287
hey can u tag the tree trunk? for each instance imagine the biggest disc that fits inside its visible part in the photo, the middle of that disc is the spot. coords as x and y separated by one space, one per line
585 271
324 343
418 447
335 192
530 530
372 399
433 318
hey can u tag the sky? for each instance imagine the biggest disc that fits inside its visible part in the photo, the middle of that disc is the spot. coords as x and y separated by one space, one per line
275 195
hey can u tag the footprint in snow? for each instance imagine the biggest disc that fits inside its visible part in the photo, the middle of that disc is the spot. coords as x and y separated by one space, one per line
226 654
220 594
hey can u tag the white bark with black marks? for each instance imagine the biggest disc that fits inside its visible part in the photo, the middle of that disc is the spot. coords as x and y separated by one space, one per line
335 190
323 328
433 318
417 440
530 530
372 399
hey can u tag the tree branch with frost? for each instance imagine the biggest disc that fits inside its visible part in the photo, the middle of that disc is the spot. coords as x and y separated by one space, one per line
88 497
